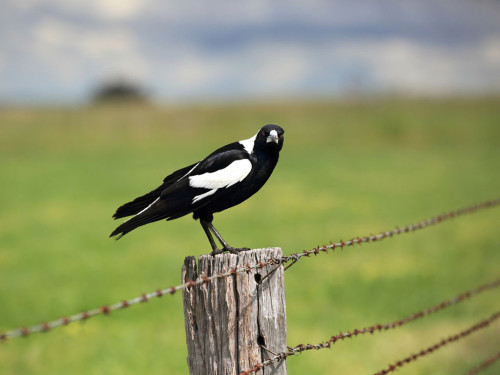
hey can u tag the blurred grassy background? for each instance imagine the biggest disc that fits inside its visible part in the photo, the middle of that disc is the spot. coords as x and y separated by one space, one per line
347 169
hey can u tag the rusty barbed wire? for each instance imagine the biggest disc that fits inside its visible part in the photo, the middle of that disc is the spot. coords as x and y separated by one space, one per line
390 233
107 309
431 349
374 328
485 364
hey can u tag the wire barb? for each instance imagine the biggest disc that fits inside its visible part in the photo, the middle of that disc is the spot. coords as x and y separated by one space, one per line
269 273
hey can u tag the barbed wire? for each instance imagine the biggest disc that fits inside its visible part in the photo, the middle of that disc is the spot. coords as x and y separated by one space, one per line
390 233
203 279
107 309
433 348
485 364
374 328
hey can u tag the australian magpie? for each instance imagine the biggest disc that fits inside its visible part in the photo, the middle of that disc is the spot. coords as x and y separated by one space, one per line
225 178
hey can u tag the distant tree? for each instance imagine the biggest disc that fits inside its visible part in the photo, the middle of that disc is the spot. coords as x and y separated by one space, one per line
119 91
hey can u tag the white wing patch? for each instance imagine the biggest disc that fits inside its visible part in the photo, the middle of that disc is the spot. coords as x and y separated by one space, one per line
248 144
224 178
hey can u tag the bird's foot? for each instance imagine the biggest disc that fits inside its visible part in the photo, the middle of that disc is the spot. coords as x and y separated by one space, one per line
232 250
216 252
235 250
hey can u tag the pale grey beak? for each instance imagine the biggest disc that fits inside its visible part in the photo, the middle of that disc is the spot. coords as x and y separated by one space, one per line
273 137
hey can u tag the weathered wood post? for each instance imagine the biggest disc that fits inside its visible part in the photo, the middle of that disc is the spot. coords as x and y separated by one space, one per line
229 321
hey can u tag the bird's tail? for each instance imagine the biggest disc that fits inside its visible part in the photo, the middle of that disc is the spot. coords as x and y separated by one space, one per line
145 217
138 204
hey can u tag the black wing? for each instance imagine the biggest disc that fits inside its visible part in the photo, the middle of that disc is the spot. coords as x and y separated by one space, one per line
139 204
176 199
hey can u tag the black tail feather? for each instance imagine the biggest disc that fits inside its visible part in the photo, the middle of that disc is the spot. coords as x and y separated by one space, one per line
138 204
134 223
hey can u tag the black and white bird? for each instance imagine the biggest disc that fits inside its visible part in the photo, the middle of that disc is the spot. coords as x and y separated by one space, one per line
225 178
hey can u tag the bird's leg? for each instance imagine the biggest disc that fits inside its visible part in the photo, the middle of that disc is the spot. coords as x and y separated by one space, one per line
215 250
225 246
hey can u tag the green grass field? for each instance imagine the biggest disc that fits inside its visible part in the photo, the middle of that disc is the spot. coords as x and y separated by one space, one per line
346 169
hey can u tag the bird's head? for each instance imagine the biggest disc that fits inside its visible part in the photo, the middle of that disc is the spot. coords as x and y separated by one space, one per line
270 137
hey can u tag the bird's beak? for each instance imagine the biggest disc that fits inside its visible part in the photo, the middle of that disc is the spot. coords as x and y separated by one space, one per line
273 137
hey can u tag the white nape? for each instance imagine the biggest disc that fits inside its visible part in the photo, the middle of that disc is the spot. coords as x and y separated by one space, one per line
248 144
223 178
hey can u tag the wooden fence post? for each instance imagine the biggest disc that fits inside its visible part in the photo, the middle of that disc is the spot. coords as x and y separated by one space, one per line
228 321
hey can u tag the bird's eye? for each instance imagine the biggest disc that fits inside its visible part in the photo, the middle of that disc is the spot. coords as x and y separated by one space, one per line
281 135
263 132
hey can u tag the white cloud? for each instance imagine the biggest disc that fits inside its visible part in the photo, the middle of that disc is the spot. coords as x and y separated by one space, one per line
491 48
71 49
398 64
117 9
273 67
246 71
111 10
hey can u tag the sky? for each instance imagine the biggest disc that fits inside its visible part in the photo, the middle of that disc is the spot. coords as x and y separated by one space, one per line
59 51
